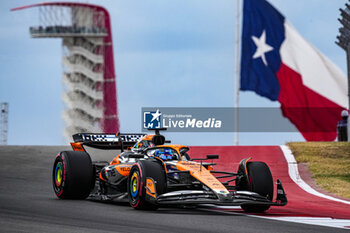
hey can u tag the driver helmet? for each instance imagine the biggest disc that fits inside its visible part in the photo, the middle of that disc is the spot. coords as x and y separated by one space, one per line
167 154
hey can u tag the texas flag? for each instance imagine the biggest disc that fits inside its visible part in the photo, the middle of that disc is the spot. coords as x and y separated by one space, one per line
278 63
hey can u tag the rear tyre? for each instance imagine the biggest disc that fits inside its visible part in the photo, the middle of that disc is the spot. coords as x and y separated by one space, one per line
261 182
137 180
72 175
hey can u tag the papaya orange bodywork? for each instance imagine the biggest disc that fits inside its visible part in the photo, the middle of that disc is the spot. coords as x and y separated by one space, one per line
150 187
115 160
202 174
123 170
77 146
148 137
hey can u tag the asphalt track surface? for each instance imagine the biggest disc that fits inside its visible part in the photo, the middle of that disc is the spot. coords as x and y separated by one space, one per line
28 204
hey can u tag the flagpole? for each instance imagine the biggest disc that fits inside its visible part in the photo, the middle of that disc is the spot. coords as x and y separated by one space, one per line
237 71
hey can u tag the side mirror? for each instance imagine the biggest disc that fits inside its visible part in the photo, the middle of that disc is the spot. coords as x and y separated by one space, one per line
212 156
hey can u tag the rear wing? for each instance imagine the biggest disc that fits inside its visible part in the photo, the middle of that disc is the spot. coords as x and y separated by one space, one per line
119 141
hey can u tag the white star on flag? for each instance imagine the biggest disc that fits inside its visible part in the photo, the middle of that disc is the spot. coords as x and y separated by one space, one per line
261 47
156 115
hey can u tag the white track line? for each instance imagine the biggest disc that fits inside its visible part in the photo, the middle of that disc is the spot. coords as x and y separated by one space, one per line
327 222
295 176
319 221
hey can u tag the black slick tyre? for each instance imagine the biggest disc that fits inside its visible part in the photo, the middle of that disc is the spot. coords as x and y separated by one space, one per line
72 175
261 182
139 172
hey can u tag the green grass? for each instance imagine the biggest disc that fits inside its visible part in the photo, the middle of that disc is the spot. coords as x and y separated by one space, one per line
329 163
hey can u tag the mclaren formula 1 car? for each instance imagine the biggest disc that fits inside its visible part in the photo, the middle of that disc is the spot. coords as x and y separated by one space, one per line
151 173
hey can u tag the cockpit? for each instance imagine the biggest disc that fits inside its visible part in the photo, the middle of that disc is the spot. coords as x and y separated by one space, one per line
164 153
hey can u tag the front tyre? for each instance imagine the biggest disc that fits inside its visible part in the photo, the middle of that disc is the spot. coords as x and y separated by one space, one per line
261 182
137 180
72 175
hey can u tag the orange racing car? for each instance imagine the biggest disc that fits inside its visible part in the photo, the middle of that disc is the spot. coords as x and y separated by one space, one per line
151 173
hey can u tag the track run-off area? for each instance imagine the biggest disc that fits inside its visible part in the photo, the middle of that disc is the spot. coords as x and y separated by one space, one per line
28 203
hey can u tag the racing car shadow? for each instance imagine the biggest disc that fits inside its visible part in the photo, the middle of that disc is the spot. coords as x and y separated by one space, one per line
109 202
183 210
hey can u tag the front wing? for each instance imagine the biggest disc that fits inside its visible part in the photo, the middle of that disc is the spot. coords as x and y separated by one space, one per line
236 198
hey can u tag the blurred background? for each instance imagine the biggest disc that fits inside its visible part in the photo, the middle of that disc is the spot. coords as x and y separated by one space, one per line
166 53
